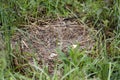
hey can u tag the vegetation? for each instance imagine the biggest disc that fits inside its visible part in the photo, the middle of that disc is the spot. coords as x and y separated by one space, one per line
102 62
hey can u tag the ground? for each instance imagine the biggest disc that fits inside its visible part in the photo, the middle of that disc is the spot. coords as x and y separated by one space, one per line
44 39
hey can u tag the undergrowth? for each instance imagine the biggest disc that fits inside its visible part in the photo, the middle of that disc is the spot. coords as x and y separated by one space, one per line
100 63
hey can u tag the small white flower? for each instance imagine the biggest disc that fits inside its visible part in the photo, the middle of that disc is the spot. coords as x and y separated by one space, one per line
74 46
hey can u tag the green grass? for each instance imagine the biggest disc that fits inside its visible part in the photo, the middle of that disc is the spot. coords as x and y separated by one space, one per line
100 63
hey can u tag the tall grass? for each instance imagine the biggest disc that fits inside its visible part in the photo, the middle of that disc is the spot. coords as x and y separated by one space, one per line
6 27
100 63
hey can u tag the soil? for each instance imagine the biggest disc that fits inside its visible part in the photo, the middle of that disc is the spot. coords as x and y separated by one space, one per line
44 38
